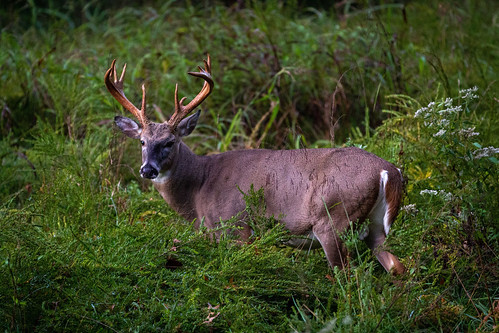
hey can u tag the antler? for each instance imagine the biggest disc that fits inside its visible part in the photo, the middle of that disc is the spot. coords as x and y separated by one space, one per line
182 110
115 87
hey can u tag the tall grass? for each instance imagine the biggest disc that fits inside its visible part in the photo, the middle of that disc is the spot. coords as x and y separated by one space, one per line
86 245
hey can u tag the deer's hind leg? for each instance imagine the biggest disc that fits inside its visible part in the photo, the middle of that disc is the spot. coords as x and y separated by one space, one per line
381 218
390 262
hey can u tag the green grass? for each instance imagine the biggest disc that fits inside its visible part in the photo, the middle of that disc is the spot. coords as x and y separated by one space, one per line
87 245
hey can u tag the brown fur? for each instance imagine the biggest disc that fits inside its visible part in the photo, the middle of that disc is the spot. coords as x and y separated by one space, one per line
298 186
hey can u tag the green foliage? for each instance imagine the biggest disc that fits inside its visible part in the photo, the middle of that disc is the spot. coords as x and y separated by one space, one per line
86 245
452 194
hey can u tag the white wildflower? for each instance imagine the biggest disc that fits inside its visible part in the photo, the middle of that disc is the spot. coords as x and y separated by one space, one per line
425 111
452 109
444 195
440 133
410 209
431 192
444 122
468 132
420 112
468 93
485 152
448 102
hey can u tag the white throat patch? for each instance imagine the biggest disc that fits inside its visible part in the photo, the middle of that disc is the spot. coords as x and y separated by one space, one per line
163 177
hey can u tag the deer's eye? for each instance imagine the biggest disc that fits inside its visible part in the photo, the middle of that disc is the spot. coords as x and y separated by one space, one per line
142 142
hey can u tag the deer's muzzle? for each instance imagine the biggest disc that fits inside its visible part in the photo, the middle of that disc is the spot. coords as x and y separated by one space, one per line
148 171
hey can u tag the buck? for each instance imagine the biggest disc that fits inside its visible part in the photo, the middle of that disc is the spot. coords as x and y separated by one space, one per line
314 192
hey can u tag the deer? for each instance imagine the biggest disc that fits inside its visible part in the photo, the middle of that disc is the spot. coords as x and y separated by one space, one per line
316 193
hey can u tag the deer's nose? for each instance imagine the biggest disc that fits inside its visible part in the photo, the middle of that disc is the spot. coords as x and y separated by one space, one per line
148 171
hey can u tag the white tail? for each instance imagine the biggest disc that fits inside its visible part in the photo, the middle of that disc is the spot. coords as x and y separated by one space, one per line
317 192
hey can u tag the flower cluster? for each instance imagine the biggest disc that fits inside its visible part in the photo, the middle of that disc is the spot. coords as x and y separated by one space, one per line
468 132
451 110
485 152
440 117
433 109
410 209
444 195
440 132
469 93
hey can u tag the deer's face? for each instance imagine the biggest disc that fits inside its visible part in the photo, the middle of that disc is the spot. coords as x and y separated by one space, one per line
159 144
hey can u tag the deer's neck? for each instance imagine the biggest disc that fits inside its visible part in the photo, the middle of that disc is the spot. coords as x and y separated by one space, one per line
180 182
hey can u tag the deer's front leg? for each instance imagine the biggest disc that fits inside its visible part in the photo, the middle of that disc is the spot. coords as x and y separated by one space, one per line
331 244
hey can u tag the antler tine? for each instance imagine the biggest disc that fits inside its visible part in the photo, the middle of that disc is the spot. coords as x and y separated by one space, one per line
180 110
115 87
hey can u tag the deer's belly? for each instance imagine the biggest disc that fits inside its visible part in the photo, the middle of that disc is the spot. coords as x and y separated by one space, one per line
305 242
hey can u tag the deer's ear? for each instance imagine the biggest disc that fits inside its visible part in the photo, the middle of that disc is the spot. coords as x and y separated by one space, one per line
187 125
128 127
